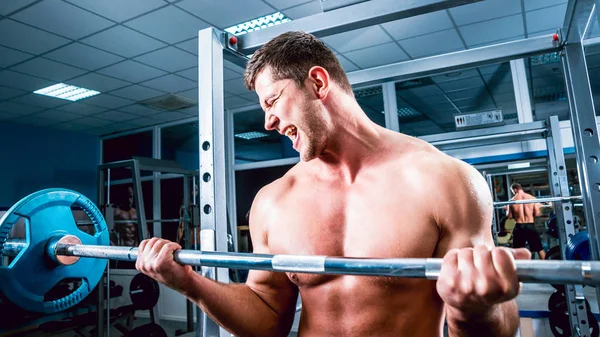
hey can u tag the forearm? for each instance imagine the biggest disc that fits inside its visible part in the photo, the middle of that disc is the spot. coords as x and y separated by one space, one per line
502 320
236 307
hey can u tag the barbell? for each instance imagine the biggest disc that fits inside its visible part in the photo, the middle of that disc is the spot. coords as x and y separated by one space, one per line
54 249
499 204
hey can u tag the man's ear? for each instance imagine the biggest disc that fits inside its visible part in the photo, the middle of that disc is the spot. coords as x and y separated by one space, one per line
318 81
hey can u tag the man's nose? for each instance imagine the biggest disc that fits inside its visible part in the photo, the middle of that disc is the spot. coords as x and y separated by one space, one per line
271 122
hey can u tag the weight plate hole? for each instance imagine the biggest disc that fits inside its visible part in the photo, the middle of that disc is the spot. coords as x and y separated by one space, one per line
597 187
206 146
206 177
569 222
207 209
83 221
561 168
63 288
581 308
593 159
583 321
17 233
588 132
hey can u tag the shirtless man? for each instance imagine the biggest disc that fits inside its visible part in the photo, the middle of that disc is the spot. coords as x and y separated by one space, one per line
524 216
360 190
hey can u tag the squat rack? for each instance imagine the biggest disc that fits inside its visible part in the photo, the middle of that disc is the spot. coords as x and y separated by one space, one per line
216 164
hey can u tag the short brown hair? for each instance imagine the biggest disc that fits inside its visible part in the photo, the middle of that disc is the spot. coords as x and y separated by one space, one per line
291 55
516 186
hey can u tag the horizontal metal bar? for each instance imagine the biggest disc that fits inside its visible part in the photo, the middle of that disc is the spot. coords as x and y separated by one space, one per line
444 63
534 271
535 201
533 170
117 164
345 19
87 222
487 136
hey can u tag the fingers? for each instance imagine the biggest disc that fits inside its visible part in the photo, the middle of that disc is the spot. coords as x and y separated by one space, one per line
475 278
504 262
150 256
521 254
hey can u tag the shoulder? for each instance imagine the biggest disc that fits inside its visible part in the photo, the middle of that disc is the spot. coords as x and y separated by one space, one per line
459 188
267 199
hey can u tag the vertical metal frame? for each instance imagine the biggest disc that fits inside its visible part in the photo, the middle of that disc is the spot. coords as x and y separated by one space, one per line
230 162
559 186
156 211
139 201
156 154
213 189
390 106
585 138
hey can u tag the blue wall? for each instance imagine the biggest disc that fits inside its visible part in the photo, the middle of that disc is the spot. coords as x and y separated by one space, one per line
34 158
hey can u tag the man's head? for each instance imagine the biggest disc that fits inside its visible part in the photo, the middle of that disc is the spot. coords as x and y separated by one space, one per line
515 188
293 75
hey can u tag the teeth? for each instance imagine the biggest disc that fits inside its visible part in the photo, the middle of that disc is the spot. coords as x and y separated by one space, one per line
289 131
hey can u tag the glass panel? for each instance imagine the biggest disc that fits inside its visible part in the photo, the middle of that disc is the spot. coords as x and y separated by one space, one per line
428 105
127 234
371 101
247 184
253 143
547 87
124 148
592 58
171 207
181 144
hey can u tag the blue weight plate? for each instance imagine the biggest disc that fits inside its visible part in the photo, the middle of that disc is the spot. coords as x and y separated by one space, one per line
578 247
47 213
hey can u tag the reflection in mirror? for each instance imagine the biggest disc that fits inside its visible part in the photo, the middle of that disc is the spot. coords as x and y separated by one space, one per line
428 105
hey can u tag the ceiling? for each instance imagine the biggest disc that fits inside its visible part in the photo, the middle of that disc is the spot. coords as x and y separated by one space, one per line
136 50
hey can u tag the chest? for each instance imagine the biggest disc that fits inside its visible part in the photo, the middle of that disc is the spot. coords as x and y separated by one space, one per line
368 222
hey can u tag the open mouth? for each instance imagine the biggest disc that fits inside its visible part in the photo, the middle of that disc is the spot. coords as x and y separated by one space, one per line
292 133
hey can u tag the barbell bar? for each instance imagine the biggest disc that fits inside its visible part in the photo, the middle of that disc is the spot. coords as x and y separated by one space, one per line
528 271
55 249
535 201
84 222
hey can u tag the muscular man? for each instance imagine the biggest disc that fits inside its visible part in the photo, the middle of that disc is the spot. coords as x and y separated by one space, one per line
524 216
360 190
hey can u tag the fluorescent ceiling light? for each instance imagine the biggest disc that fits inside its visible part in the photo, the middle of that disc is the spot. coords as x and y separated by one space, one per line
66 91
519 165
251 135
258 24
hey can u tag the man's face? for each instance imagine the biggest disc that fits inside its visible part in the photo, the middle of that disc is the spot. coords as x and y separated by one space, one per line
293 111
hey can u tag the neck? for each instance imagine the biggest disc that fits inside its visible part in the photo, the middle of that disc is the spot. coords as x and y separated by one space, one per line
354 141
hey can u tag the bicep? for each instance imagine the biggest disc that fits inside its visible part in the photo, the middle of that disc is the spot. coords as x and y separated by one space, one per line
469 219
274 288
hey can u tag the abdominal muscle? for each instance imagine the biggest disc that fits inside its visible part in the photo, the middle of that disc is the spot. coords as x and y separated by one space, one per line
349 306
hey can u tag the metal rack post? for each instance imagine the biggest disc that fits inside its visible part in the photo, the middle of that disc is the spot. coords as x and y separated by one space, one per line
585 139
213 190
559 186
